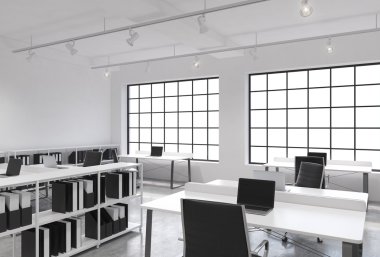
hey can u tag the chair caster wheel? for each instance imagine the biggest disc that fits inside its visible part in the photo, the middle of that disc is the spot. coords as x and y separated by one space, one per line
319 240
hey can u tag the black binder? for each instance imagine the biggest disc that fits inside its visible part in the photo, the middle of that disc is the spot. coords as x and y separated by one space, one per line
25 216
3 222
28 243
59 195
114 185
126 213
13 219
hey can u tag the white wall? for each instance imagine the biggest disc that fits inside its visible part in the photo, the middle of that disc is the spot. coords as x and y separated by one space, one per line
51 103
233 74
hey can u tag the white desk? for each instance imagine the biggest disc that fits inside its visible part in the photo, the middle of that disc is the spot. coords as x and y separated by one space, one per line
172 157
331 166
328 223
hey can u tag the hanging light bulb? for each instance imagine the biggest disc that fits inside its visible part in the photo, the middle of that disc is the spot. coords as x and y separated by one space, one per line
202 24
107 73
306 9
133 36
329 46
70 46
196 62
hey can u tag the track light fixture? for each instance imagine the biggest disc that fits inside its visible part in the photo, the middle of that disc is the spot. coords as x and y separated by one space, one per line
329 46
30 56
202 24
306 9
196 62
70 46
107 73
133 36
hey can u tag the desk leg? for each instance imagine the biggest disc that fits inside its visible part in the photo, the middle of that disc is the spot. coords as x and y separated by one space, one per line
352 250
148 233
189 169
266 168
137 160
365 182
172 175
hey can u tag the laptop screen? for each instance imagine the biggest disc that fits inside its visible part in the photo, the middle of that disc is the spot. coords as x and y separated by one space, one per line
156 151
92 159
254 192
14 167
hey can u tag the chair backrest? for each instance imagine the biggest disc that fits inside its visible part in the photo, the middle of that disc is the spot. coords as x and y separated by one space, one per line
310 175
212 229
92 158
319 154
114 156
312 159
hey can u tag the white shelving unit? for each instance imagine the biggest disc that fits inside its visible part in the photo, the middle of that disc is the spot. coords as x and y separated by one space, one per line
46 217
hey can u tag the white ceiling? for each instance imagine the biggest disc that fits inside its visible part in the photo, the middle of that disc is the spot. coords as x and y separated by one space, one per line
274 20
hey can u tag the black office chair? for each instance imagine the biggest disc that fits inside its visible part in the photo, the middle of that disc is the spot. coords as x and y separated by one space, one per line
92 158
212 229
319 154
310 175
312 159
114 156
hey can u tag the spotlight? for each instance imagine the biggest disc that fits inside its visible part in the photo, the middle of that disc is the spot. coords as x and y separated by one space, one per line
202 24
30 56
329 46
133 36
70 47
107 73
196 62
306 9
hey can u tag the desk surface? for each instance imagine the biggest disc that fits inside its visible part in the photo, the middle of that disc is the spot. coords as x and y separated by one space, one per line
163 157
342 225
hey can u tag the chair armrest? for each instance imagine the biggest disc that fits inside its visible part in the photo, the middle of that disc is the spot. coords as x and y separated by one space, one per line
264 244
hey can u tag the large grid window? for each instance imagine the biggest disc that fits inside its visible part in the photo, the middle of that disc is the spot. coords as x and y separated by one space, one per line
182 116
334 110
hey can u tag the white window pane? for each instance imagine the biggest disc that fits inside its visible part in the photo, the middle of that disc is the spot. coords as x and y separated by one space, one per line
200 136
297 79
213 86
185 119
185 149
185 88
258 118
319 78
259 100
171 104
200 103
157 135
157 89
171 119
276 152
297 118
213 102
200 87
133 135
368 117
133 148
297 98
372 156
145 147
133 106
185 136
277 118
368 138
171 148
145 105
213 153
258 82
367 95
258 137
171 135
145 120
319 118
342 138
213 119
277 99
277 137
171 89
145 135
343 117
185 103
145 91
277 81
213 136
343 76
293 152
343 96
319 97
200 152
368 74
200 119
319 138
259 154
345 155
297 137
133 92
158 120
133 120
158 104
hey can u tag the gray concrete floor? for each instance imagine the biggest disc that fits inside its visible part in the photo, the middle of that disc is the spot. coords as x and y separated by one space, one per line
167 229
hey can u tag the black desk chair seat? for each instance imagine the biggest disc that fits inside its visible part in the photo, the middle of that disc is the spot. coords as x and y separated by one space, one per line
212 229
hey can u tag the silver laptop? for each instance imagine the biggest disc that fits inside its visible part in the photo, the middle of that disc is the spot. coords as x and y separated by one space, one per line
277 177
50 162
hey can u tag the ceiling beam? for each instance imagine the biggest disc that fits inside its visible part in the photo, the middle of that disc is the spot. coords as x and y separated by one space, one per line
140 25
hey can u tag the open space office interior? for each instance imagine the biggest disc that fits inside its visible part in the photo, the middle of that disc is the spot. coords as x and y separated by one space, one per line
203 128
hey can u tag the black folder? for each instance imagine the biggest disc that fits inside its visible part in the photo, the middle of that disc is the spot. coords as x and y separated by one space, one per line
3 222
59 195
114 185
28 243
126 213
13 219
26 216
